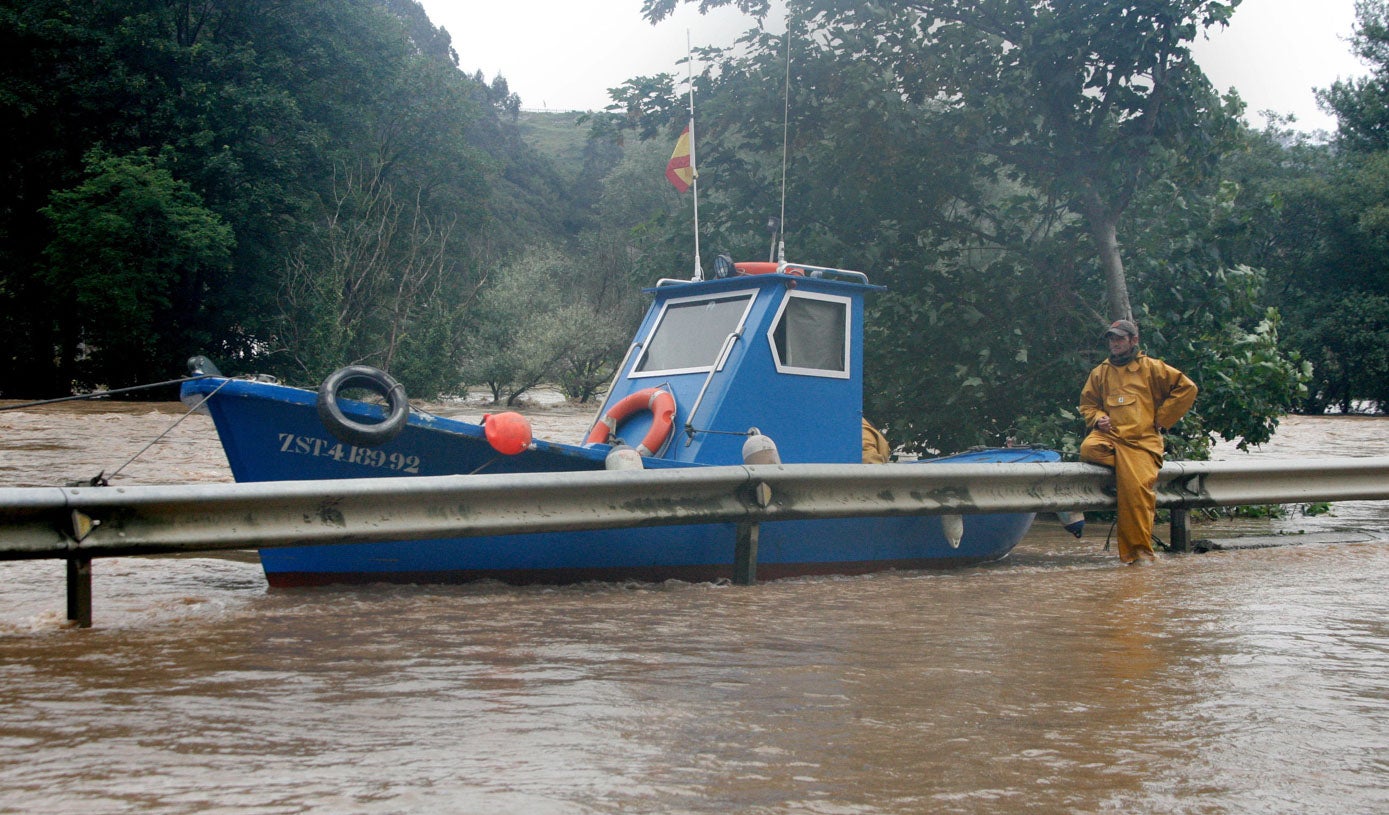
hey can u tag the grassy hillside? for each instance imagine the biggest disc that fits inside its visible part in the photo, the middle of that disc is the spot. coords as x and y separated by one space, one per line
558 136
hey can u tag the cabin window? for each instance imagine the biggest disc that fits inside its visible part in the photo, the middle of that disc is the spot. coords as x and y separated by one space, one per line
811 335
690 333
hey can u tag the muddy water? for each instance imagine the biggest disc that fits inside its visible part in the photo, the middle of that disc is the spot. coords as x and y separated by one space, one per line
1056 681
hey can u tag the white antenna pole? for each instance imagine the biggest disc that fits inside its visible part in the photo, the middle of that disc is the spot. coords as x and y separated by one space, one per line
694 167
785 131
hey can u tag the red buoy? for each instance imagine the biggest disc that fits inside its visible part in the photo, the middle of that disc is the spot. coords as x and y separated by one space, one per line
508 433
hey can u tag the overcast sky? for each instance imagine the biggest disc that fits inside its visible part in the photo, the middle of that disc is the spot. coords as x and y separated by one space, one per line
565 54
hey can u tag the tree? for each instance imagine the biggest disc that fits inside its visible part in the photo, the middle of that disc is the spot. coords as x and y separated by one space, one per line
1347 340
1361 105
551 318
520 328
1329 272
133 251
1079 99
376 278
255 106
970 179
626 248
1331 240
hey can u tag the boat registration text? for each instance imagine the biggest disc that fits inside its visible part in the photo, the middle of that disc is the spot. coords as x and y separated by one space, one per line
348 453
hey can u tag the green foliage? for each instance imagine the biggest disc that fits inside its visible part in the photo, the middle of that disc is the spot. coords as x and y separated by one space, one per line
1078 99
981 159
1311 510
1313 217
1361 104
643 228
1246 384
1346 336
559 137
1333 233
299 185
133 248
1209 318
1259 511
600 312
540 320
375 284
974 355
256 107
1316 508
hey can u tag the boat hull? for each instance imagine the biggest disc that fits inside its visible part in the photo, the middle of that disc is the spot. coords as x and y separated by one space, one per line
273 433
697 552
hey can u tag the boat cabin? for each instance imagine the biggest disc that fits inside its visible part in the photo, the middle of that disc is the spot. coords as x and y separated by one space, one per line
780 352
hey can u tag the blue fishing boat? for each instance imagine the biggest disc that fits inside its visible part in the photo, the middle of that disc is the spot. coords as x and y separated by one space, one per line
760 356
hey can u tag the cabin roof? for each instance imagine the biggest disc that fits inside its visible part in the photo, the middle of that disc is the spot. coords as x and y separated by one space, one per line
811 280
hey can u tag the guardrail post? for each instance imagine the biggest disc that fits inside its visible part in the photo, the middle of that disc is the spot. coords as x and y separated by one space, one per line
1180 540
80 591
745 554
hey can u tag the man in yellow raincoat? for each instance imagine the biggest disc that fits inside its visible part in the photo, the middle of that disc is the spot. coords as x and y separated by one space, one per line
1128 402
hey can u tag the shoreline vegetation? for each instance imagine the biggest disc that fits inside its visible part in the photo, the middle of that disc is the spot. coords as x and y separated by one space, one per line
217 185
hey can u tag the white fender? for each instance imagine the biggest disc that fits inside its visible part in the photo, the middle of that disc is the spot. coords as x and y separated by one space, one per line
760 449
954 528
622 457
1074 522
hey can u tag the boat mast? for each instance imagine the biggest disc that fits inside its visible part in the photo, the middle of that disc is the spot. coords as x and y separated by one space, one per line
694 166
785 130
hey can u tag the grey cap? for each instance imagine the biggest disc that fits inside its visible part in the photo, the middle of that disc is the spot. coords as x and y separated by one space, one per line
1122 328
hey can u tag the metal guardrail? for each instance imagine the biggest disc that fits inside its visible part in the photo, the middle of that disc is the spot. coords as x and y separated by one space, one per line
79 523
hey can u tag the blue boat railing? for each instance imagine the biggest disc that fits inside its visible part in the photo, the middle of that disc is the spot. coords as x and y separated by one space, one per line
80 523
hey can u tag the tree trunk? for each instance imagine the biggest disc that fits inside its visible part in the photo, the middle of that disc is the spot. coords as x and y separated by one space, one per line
1104 231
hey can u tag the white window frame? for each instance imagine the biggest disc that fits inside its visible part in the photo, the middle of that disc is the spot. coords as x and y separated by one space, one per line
715 365
781 367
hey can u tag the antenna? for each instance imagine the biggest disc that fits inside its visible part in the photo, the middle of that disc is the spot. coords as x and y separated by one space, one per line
694 166
785 131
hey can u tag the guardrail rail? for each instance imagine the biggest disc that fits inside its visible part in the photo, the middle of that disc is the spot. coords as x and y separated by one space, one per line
77 524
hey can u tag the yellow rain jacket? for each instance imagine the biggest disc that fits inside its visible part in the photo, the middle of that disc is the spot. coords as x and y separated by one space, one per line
1141 399
876 449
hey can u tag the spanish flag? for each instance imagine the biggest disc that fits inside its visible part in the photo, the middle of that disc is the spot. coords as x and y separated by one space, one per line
679 170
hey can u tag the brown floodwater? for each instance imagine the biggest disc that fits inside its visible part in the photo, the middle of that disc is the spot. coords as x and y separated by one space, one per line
1056 681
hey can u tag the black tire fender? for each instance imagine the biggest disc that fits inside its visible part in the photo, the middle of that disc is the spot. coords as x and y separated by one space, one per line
363 434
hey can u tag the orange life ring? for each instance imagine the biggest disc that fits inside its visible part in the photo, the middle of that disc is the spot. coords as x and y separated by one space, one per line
762 267
662 406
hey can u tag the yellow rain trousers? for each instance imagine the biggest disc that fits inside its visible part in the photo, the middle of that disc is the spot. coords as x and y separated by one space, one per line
1141 399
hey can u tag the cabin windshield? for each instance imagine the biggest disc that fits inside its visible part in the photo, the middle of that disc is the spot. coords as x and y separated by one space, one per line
690 333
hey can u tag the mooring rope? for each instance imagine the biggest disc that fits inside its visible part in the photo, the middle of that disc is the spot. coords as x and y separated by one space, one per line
104 394
102 480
